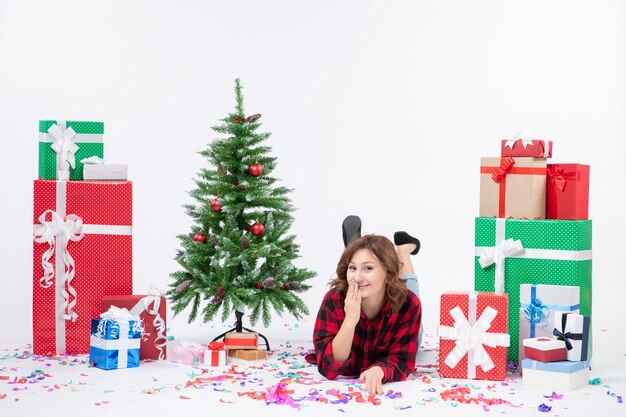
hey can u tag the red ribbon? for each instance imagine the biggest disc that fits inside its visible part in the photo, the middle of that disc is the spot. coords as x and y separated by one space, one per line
505 166
216 346
558 177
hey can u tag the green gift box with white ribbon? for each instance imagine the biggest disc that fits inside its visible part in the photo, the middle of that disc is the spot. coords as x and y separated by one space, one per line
63 144
511 252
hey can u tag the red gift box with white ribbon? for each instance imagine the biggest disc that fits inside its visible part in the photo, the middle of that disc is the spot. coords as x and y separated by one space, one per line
82 252
527 146
151 310
473 335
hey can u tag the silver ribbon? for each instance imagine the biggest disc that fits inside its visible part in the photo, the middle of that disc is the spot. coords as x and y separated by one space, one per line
65 148
151 304
496 255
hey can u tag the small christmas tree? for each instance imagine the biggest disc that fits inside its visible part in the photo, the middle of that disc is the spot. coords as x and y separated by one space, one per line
239 254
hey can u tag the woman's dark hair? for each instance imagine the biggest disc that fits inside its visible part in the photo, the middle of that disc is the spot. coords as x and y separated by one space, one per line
385 252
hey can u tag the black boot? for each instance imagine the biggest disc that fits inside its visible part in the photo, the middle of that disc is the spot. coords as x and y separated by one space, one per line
402 238
351 228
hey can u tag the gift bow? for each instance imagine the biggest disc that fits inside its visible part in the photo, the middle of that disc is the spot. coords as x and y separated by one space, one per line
536 312
64 146
121 318
216 346
526 140
503 169
566 336
59 231
471 339
497 255
558 177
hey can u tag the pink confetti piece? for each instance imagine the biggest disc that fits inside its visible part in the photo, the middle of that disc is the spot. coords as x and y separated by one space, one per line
182 397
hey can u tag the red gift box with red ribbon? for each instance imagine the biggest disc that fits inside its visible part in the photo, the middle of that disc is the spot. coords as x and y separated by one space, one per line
473 335
535 148
151 311
513 187
567 194
82 252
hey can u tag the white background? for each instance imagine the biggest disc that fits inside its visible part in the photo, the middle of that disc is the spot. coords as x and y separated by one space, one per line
380 109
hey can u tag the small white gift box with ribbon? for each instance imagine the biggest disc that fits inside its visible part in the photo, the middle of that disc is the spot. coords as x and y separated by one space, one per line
95 168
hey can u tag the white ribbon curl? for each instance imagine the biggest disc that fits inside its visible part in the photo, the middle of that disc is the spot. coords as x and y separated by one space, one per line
59 231
471 338
496 255
65 148
154 300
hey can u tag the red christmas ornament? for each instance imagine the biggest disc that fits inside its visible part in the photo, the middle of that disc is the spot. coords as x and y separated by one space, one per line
199 237
259 285
284 287
255 170
215 205
241 187
220 289
257 229
240 119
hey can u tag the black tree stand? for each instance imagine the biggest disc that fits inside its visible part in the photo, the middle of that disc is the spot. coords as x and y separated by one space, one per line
239 328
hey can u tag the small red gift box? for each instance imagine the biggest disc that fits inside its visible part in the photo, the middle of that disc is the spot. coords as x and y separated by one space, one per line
535 148
241 340
473 335
544 349
567 195
151 310
82 252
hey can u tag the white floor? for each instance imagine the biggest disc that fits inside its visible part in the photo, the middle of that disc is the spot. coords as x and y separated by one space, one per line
69 387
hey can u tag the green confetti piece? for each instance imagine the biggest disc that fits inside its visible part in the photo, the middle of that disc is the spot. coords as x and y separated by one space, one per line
595 381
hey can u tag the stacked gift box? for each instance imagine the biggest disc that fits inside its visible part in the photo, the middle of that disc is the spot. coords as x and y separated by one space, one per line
532 263
533 238
559 362
82 234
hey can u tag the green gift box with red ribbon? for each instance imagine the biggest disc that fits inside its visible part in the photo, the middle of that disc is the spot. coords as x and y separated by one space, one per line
63 144
513 187
511 252
567 195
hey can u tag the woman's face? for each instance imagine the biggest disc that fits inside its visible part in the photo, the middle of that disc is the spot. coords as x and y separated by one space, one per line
368 273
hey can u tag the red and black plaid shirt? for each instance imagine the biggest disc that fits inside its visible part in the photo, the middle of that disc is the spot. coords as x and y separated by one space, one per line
389 340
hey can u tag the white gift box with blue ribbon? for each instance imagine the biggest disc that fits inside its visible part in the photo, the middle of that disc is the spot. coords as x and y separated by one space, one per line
562 375
115 340
538 306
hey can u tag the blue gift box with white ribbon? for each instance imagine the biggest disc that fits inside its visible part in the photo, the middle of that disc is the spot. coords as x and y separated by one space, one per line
115 341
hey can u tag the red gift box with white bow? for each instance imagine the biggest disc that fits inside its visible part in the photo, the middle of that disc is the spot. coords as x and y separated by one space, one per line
82 252
527 146
151 311
473 335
